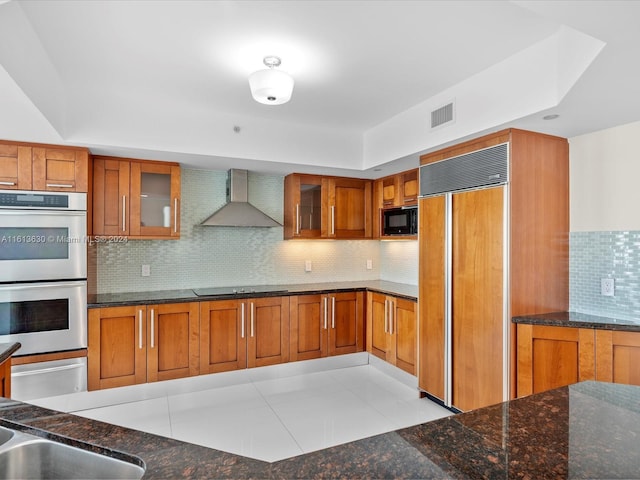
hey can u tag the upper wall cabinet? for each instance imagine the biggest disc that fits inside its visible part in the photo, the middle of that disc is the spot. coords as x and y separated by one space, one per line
137 199
394 191
327 207
43 167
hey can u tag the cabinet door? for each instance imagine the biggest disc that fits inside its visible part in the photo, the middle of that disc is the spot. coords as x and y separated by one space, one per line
431 327
346 323
111 199
551 357
409 187
377 325
223 343
477 304
618 357
267 331
309 327
349 208
60 169
117 347
172 345
390 191
155 200
303 206
403 334
15 167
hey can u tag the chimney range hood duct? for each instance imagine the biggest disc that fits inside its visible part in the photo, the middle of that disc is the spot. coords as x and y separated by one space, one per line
238 212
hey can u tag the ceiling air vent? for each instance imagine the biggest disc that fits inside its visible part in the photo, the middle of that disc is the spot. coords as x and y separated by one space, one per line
442 115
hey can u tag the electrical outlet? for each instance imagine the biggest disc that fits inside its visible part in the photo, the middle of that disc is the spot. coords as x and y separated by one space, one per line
607 287
369 264
307 265
146 270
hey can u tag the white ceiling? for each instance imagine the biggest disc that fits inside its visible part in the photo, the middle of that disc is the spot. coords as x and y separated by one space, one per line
168 79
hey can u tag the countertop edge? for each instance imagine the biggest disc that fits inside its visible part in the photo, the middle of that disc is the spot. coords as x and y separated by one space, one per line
577 320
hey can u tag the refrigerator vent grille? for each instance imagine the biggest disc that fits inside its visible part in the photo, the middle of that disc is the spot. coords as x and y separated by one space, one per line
481 168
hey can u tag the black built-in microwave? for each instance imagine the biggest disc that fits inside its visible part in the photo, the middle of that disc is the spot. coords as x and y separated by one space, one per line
400 221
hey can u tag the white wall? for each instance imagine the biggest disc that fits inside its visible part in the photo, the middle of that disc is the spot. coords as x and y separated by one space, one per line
605 176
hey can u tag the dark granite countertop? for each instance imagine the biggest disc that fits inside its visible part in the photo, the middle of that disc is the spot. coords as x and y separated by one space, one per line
586 430
176 296
579 320
8 349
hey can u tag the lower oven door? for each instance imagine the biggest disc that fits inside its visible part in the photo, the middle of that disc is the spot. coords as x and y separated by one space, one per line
44 316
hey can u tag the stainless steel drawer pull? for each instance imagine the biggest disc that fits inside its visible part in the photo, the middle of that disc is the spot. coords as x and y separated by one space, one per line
8 183
124 213
242 320
386 316
59 185
153 342
140 329
251 319
326 307
175 215
297 219
333 312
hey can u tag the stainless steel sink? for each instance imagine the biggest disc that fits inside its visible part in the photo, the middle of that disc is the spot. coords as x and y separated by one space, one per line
27 456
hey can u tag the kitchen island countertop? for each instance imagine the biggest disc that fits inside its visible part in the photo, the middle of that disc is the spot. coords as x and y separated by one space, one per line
187 295
586 430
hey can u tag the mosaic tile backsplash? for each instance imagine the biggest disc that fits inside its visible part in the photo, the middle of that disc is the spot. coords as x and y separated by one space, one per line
597 255
228 256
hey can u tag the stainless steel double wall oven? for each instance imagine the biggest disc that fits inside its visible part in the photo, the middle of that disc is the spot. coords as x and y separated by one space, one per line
43 286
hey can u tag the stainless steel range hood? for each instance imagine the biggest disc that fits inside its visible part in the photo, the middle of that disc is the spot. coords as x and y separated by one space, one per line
238 212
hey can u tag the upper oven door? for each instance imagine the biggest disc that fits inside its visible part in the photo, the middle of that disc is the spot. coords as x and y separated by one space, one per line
40 245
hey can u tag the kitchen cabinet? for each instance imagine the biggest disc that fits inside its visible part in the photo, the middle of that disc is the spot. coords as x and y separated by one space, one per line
15 167
551 357
618 356
5 378
137 199
236 334
391 192
327 207
143 343
488 251
391 330
60 169
326 324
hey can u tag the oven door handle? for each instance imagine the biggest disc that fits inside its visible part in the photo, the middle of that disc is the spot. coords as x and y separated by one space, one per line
47 370
32 285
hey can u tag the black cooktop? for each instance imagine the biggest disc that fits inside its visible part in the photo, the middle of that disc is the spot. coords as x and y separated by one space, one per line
208 292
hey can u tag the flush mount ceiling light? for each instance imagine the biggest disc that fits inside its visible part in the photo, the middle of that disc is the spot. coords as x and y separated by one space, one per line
271 86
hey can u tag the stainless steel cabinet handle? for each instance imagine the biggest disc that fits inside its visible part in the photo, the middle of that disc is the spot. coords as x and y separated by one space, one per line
242 320
333 312
59 185
386 316
297 219
140 329
153 342
333 220
326 307
11 184
391 316
124 213
251 319
175 215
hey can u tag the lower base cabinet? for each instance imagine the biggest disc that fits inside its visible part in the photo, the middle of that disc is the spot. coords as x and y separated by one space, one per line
237 334
551 357
5 378
326 325
391 330
142 343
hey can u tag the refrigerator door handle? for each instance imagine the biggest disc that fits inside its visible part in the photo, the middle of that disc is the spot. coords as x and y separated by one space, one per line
448 319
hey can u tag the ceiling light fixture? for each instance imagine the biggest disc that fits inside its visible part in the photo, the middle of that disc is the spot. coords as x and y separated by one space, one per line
271 86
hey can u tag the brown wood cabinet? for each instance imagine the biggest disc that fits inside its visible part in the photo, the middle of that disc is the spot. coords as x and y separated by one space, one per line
551 357
237 334
392 330
5 378
144 343
507 252
32 166
15 167
327 207
394 191
136 198
60 169
329 324
618 356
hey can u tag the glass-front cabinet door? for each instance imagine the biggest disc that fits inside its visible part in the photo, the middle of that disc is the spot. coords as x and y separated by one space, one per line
304 208
155 200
